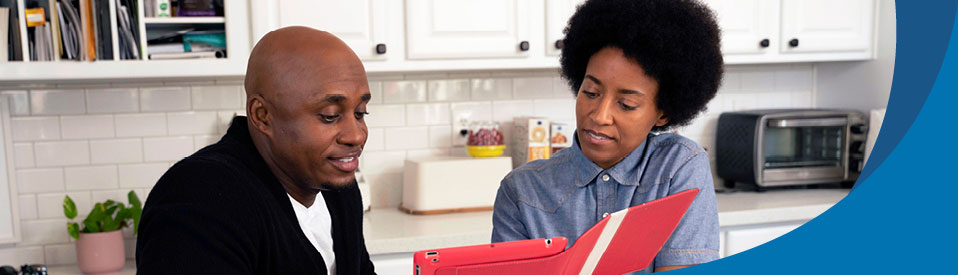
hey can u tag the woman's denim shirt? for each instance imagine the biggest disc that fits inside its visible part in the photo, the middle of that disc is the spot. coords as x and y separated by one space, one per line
568 193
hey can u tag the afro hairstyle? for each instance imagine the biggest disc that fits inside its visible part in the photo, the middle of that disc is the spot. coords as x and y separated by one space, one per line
676 42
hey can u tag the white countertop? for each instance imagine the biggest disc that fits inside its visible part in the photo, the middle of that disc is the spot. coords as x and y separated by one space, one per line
388 230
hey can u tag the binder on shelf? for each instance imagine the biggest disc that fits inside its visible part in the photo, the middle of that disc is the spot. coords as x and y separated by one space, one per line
13 46
104 37
128 29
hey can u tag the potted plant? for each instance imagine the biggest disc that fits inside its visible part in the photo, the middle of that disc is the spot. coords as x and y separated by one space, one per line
100 240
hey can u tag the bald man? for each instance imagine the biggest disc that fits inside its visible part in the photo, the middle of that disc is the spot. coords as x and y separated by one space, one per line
277 194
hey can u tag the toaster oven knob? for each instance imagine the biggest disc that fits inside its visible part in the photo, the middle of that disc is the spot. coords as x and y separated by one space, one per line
859 129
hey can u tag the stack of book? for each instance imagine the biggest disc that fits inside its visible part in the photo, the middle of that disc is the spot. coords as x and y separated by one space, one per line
79 30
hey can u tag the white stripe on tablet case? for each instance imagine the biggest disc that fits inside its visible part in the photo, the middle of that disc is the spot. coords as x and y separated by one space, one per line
603 242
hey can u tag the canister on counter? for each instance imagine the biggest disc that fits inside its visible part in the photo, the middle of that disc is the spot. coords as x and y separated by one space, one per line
560 137
530 140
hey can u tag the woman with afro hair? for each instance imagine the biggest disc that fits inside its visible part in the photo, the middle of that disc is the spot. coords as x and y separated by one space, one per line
637 68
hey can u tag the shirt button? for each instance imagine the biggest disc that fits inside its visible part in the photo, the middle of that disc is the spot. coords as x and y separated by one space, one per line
605 177
605 215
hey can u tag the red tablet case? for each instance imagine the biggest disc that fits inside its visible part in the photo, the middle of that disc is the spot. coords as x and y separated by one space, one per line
623 242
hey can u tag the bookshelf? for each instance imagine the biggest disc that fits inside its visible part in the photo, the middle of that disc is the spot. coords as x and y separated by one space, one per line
235 24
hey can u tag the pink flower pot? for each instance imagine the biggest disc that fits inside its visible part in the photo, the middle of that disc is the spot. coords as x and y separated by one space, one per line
100 252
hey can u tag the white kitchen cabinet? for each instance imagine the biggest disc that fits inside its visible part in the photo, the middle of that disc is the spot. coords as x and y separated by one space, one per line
364 25
826 26
768 31
393 264
741 239
464 29
557 17
748 26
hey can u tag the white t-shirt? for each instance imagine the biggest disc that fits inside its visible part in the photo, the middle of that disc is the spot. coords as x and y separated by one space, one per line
317 226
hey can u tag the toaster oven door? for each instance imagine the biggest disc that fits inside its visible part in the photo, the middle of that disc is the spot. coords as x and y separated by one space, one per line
805 150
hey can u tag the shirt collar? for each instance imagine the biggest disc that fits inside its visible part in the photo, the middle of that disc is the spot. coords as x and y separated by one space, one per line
626 172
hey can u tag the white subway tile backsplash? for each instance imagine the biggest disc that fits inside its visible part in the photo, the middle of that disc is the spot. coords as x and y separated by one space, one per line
20 254
382 162
407 138
770 99
104 195
140 125
44 232
50 205
427 114
28 207
204 140
741 101
731 81
167 148
60 254
793 80
216 97
471 111
192 123
555 108
154 99
758 80
376 91
404 91
449 90
532 87
224 118
505 111
57 102
561 89
40 180
23 155
375 140
440 136
91 177
86 126
114 100
116 151
386 116
142 175
803 99
491 89
35 128
61 153
19 102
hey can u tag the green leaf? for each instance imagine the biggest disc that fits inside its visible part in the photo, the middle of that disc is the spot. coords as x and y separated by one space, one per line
108 203
136 212
94 221
110 224
69 208
74 230
110 211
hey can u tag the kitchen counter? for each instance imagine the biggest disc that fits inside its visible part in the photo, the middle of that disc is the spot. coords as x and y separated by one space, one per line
388 230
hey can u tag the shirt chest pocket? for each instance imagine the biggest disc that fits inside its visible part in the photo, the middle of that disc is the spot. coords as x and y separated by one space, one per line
647 184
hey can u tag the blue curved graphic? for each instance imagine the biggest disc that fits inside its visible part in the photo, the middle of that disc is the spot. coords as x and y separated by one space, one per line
903 219
922 38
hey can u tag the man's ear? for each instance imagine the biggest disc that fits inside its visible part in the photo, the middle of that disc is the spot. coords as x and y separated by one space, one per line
662 119
259 115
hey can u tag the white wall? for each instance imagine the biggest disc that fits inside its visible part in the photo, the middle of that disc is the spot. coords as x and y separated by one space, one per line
862 85
98 141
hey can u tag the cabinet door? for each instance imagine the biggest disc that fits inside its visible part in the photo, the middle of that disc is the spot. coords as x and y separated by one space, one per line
359 23
745 24
557 17
827 26
437 29
739 240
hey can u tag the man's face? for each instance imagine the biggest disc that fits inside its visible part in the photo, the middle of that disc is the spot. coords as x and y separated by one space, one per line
319 128
615 107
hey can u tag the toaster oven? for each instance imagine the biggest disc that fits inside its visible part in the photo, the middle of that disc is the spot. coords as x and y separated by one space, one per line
790 147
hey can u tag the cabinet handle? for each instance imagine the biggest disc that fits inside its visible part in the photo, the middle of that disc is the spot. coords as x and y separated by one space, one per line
380 48
559 44
524 46
793 42
764 43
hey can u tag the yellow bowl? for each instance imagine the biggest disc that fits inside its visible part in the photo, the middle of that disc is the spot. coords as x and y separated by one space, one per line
485 151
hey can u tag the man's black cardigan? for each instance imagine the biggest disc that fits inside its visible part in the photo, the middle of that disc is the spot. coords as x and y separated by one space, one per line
222 211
